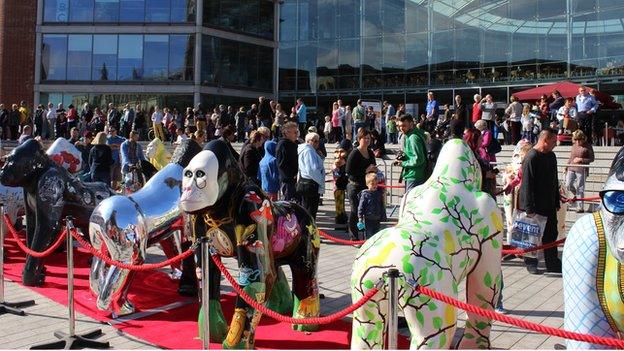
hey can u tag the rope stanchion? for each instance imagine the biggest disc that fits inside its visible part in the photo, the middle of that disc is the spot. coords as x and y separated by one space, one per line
132 267
25 248
341 241
617 343
537 248
286 319
574 199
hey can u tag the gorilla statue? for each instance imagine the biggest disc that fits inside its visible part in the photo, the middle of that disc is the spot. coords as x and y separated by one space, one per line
50 193
593 279
241 222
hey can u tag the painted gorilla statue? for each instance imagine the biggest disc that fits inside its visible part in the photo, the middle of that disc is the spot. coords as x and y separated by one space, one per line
157 154
593 258
50 193
125 226
241 222
448 231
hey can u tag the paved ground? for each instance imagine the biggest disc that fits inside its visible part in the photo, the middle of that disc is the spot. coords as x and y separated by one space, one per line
535 298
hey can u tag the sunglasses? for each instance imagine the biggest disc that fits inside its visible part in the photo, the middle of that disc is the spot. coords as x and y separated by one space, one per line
613 201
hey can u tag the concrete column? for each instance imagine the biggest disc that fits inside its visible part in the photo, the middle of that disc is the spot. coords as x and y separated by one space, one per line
199 21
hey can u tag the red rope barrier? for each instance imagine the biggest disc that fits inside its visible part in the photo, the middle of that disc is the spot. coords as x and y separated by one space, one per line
26 249
537 248
286 319
132 267
341 241
574 199
617 343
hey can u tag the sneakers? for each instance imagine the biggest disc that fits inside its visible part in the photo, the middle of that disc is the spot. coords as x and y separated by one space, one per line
533 270
500 309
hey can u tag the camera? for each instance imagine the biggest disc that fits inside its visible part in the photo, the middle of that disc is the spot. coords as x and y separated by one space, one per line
401 156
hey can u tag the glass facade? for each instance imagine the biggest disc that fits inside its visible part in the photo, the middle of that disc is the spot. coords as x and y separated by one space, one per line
119 11
112 57
232 64
360 46
147 101
252 17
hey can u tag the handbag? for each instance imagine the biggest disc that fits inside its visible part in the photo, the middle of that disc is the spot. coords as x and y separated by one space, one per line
527 232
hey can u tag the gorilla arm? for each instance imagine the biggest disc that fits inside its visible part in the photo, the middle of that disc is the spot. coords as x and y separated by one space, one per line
484 281
256 264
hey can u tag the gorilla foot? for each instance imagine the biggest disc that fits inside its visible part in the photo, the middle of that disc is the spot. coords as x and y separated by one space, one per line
125 309
33 278
218 325
306 308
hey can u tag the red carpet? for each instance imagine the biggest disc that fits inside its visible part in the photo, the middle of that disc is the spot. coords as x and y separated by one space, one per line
155 289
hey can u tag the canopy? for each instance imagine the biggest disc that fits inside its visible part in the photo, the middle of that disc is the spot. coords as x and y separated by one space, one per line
567 89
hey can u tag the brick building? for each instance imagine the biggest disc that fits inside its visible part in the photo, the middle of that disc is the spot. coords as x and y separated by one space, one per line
18 19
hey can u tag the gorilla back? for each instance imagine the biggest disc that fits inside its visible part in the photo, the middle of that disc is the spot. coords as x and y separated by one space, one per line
50 193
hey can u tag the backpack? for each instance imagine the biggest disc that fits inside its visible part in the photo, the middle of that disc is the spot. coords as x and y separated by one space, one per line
494 147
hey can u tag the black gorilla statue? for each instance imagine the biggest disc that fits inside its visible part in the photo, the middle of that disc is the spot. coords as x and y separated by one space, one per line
50 194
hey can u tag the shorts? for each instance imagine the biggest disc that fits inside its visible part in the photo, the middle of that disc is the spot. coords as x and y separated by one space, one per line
116 173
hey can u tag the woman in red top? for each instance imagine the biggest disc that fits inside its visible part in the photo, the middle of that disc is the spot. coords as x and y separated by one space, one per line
476 109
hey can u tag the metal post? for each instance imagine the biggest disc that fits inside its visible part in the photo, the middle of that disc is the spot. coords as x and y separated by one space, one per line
6 307
72 341
70 277
393 304
205 296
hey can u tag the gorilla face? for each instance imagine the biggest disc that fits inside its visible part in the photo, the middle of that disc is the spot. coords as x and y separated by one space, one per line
200 183
614 223
22 164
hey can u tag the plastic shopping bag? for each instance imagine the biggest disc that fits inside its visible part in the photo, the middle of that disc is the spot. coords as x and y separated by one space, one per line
526 232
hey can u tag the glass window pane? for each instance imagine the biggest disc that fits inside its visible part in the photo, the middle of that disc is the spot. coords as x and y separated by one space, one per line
326 19
372 17
288 21
229 62
54 57
393 16
156 57
81 11
132 11
130 54
287 66
79 57
210 52
55 10
327 65
157 10
181 57
265 68
182 11
308 25
248 71
416 16
306 78
266 19
106 11
104 57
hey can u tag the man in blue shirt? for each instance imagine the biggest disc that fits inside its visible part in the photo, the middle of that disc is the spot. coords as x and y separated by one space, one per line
302 118
114 141
131 157
586 107
432 107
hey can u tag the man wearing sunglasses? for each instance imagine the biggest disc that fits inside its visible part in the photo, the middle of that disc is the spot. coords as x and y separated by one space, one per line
593 279
539 194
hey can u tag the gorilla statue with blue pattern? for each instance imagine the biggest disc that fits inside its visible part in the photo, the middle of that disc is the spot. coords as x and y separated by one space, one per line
593 279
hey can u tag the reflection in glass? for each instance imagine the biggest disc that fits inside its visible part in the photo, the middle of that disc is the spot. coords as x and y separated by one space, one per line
182 11
372 17
79 10
157 10
54 57
106 11
130 56
132 11
254 17
155 57
104 58
79 57
326 19
181 57
55 10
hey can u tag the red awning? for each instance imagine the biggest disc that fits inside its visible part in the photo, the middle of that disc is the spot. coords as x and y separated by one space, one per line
567 89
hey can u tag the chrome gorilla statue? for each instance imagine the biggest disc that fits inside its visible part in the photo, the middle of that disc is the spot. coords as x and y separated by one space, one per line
241 222
50 193
593 266
125 226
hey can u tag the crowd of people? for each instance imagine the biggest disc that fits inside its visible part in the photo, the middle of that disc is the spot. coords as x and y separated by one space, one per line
284 152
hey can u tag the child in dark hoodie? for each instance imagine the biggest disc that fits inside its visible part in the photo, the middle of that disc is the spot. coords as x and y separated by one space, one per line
268 172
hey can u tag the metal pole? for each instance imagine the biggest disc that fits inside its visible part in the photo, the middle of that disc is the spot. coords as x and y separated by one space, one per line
70 277
205 308
2 253
393 304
